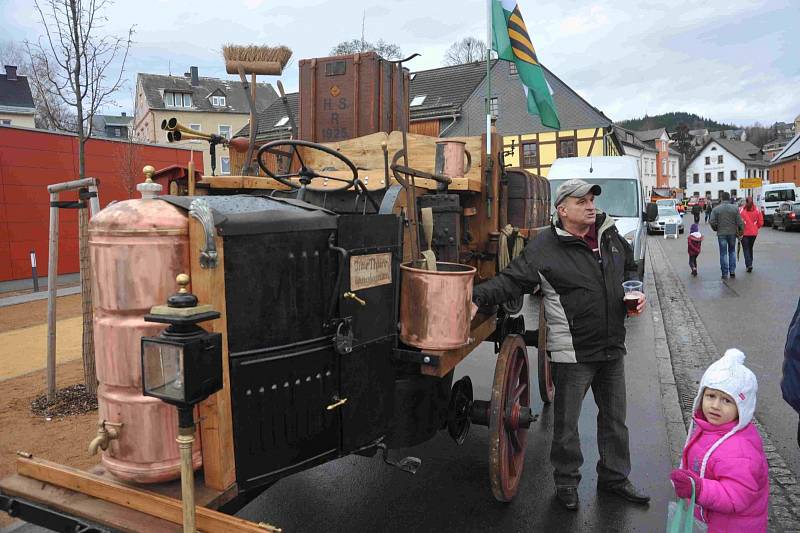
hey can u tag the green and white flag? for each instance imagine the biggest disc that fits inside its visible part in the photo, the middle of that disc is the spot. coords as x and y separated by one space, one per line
511 42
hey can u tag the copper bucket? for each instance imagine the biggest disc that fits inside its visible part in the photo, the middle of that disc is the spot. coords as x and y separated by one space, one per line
435 306
450 159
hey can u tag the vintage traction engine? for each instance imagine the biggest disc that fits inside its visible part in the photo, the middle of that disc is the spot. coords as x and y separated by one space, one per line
342 274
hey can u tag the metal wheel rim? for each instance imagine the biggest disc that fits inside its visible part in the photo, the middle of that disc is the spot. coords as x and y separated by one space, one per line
507 441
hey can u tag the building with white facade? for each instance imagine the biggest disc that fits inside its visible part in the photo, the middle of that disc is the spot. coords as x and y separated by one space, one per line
659 164
720 164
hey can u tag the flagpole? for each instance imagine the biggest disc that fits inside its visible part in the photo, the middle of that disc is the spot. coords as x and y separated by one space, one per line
488 104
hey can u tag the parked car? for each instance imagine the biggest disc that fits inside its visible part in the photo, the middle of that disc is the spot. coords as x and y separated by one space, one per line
786 216
666 215
774 194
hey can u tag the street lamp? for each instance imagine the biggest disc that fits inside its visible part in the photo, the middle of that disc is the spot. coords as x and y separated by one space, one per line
182 367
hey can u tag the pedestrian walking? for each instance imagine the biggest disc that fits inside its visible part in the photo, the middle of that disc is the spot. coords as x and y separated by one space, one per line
707 210
790 383
696 212
723 454
727 222
695 241
753 219
580 264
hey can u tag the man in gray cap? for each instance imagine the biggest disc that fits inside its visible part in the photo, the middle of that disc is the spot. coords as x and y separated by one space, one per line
580 264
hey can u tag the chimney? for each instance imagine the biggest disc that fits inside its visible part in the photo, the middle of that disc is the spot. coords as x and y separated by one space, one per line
11 72
195 78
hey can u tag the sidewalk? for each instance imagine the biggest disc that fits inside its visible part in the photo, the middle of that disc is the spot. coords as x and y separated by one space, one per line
21 290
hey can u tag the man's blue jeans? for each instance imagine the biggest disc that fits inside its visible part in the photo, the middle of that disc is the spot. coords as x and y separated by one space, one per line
727 253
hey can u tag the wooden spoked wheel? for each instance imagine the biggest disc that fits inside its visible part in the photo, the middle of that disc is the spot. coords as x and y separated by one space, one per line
509 407
546 388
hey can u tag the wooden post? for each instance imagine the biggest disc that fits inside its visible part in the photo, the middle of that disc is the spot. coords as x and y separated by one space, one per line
52 281
190 177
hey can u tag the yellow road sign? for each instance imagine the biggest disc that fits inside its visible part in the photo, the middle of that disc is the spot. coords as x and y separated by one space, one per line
750 183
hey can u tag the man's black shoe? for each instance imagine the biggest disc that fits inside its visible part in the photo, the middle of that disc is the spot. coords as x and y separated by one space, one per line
567 497
749 269
627 491
732 274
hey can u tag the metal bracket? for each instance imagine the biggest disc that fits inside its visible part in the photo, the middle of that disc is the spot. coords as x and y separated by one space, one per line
200 210
45 517
412 356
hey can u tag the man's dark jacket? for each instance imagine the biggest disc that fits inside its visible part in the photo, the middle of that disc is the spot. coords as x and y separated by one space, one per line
790 384
582 295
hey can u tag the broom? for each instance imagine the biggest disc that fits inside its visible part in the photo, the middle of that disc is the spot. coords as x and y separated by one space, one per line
252 59
255 59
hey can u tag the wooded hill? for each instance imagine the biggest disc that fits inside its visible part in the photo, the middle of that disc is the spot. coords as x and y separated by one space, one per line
671 121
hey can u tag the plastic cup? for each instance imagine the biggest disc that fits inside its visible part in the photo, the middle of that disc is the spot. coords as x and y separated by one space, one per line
631 299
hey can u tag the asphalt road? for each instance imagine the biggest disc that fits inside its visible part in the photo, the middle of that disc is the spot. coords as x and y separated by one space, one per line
752 313
451 491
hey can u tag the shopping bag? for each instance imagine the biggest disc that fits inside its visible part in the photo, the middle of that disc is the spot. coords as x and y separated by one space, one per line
680 517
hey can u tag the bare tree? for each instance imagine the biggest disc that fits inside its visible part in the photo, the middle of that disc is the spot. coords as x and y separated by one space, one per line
357 46
467 50
81 68
12 53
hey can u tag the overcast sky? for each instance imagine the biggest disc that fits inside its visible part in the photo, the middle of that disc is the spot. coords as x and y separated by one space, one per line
731 60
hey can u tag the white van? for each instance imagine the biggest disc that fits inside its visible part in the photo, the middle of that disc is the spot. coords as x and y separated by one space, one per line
622 196
774 194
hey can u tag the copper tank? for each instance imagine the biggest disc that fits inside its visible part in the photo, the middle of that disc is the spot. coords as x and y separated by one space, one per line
137 248
435 306
450 160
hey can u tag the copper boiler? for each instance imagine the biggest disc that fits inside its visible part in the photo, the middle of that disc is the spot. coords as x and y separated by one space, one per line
435 305
137 248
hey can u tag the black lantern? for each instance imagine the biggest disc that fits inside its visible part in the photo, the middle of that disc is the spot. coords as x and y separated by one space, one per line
183 365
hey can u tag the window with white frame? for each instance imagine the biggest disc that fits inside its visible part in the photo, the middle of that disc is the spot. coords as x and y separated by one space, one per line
173 99
5 122
225 165
418 100
494 107
218 101
663 167
282 122
195 127
224 131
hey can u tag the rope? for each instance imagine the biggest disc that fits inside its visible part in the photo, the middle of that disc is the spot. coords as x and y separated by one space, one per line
503 257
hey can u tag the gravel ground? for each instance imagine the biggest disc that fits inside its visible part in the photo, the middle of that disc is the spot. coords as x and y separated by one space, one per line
692 350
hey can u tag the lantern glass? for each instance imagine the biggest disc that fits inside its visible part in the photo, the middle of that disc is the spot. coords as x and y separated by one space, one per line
163 369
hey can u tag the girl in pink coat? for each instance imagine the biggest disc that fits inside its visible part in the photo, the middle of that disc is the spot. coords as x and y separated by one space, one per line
723 452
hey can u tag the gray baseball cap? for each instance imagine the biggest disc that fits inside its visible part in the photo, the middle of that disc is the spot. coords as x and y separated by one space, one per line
575 188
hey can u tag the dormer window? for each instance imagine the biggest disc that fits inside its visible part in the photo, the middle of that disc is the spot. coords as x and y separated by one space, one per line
218 101
173 99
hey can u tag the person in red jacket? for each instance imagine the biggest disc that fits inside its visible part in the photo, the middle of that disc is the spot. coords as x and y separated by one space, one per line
753 219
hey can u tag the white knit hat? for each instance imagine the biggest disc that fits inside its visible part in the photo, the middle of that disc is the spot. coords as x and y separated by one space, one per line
729 375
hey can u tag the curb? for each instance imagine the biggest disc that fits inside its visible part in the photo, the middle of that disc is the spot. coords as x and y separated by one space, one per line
41 295
670 404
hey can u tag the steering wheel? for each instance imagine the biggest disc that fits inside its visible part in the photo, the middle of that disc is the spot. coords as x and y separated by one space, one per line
306 174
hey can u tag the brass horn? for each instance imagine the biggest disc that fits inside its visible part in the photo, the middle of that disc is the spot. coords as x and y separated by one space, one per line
181 135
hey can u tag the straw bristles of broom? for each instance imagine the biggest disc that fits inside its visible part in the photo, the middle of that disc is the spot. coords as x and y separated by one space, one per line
247 53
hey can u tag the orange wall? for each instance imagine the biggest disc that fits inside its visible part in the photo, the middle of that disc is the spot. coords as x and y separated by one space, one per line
30 160
787 172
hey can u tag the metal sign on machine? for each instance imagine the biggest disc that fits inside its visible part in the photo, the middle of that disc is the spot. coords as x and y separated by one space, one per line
750 183
370 271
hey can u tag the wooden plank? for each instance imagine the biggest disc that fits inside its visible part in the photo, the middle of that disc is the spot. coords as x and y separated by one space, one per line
481 327
216 416
80 505
140 500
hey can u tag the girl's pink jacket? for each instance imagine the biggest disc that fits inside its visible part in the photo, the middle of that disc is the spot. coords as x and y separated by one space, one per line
752 221
735 488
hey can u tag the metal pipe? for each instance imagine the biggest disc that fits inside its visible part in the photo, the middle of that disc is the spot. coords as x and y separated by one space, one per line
69 185
455 118
185 442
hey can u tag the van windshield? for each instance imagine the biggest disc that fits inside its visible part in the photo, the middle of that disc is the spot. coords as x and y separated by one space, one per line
783 195
620 197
